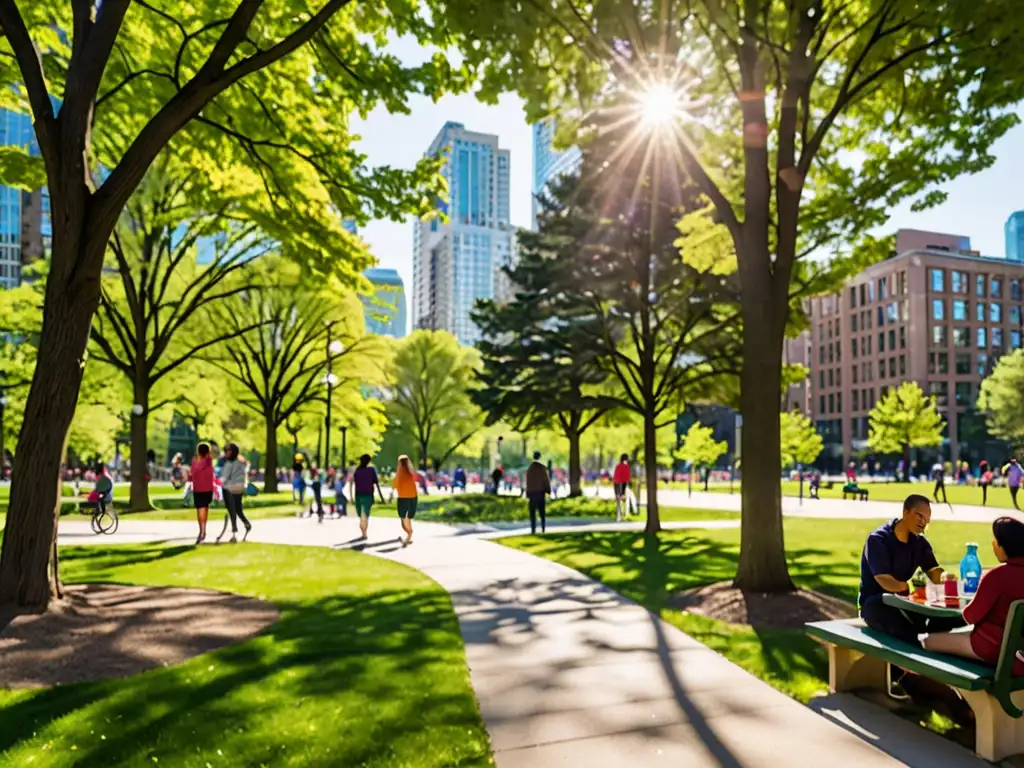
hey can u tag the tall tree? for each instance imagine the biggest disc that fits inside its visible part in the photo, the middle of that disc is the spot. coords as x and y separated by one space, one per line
700 448
428 399
800 441
285 338
905 418
535 372
277 80
152 317
803 122
1001 399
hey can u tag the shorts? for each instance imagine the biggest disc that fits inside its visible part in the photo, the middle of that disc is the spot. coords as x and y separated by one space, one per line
620 490
364 501
202 499
407 507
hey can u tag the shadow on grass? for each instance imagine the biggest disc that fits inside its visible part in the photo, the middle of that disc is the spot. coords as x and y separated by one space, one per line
377 678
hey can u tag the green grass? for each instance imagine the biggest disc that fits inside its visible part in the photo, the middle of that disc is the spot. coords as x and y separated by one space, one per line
823 555
366 667
487 508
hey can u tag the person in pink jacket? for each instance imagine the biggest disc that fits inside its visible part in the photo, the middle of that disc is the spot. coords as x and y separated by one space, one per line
202 487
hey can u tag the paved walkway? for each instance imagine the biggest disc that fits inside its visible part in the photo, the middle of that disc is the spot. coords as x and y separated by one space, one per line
569 673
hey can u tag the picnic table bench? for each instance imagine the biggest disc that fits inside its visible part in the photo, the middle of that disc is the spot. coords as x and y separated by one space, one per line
852 490
858 657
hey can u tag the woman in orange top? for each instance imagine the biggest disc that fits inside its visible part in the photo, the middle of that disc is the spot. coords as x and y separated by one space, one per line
405 487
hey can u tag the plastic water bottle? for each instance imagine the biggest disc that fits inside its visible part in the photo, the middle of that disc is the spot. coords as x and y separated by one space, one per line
970 571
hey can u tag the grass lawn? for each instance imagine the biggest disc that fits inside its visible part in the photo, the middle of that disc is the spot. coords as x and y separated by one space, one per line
479 507
366 667
823 555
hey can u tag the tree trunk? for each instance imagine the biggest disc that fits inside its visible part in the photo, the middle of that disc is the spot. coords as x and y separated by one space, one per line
270 463
762 565
651 473
27 583
575 486
906 462
139 499
707 478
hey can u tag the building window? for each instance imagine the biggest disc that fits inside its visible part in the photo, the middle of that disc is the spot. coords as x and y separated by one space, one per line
883 289
862 294
940 391
853 344
821 404
1014 314
939 335
1014 339
901 283
881 317
866 345
881 368
937 277
959 309
938 363
821 355
997 288
831 403
962 337
892 312
821 379
995 312
892 340
963 363
1015 289
831 377
958 281
903 365
982 364
980 283
963 392
882 390
979 312
871 291
981 339
839 352
854 396
853 373
881 341
839 377
903 337
997 339
938 309
853 297
839 402
831 354
892 367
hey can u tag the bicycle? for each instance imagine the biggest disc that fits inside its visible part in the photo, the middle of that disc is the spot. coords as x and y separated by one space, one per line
104 515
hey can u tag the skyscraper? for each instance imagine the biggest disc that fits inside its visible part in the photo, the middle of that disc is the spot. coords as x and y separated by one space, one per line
1014 230
16 131
385 311
548 163
457 262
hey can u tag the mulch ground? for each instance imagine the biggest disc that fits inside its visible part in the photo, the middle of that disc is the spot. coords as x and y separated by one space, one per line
101 631
792 610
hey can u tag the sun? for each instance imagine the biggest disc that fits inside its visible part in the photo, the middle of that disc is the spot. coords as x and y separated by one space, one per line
659 105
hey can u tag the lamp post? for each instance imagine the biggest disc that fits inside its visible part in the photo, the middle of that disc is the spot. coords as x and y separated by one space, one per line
344 449
334 348
3 450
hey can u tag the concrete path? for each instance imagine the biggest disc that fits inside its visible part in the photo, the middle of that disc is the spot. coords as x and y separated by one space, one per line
569 673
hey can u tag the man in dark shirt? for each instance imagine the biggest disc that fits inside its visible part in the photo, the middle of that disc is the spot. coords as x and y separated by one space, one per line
891 557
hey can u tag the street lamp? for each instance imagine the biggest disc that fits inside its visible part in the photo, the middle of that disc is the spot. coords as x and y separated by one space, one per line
334 348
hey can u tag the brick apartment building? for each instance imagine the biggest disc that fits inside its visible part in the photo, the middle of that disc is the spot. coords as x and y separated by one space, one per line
936 313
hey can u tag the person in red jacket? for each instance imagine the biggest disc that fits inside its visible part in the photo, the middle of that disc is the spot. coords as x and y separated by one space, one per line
989 609
621 478
202 486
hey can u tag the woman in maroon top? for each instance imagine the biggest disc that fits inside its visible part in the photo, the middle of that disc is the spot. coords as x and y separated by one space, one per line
202 486
990 607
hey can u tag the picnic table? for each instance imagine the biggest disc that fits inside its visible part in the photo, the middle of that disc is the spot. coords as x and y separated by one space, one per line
925 609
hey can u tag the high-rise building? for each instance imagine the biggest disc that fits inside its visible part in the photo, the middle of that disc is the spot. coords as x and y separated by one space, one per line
1014 230
457 262
937 316
385 310
548 163
21 227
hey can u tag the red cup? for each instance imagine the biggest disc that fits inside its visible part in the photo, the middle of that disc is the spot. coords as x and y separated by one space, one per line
951 592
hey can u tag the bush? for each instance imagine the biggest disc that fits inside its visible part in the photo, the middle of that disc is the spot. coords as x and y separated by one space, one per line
483 508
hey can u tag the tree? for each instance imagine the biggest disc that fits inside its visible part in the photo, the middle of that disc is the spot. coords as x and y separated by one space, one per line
429 398
800 441
535 373
905 418
275 80
152 317
1001 398
700 448
281 332
811 120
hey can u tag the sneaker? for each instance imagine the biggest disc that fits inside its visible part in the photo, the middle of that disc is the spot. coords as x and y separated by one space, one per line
233 540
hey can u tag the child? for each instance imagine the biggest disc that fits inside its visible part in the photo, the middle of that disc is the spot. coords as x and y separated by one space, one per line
340 502
989 609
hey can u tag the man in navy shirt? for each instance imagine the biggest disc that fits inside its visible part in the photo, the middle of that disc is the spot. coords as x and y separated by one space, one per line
891 557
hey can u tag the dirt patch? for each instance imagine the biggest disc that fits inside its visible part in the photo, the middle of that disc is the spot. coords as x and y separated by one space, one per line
792 610
106 630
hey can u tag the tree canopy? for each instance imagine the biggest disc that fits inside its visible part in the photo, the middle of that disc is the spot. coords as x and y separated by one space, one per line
1001 398
904 418
801 443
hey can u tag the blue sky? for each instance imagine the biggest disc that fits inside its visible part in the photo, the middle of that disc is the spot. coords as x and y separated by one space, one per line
977 207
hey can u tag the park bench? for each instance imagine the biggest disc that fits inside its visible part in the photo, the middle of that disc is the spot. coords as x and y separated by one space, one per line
858 657
854 491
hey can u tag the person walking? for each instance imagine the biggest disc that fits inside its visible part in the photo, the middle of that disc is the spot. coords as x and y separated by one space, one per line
201 472
939 476
496 476
177 472
340 500
234 476
316 484
621 477
1014 474
364 480
405 488
984 480
538 486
